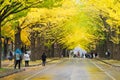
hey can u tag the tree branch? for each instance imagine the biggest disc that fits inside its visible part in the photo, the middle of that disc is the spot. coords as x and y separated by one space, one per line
7 21
27 7
23 22
11 11
1 2
3 8
27 26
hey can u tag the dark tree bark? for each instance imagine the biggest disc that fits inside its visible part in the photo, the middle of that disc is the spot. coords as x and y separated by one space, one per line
107 34
12 45
18 41
5 47
114 48
32 46
0 44
116 52
64 52
52 50
38 48
59 51
101 49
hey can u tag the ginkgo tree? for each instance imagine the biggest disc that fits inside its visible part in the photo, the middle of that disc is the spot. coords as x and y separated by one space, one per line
81 31
108 12
52 19
73 25
94 22
10 7
8 36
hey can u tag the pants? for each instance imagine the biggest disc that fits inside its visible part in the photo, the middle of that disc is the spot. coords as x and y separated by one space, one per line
43 62
17 62
26 63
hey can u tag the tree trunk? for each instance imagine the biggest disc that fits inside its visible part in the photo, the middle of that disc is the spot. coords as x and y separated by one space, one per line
0 45
12 45
38 48
5 47
107 33
55 50
42 47
64 52
18 38
52 50
59 50
32 47
116 52
49 53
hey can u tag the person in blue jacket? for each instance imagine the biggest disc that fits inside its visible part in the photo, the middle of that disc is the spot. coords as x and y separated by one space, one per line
18 58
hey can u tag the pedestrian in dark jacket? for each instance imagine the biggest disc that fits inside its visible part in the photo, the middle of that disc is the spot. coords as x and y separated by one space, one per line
10 57
43 57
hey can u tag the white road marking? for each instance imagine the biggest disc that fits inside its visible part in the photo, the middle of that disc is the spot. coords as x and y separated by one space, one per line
28 78
104 71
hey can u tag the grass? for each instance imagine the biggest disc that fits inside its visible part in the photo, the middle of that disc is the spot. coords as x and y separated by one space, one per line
2 69
115 62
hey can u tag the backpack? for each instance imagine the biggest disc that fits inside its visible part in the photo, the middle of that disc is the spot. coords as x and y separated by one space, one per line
18 56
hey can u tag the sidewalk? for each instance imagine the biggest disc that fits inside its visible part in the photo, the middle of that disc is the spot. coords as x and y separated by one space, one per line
115 63
8 66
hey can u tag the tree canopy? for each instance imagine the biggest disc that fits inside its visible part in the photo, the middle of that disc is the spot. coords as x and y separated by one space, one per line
67 22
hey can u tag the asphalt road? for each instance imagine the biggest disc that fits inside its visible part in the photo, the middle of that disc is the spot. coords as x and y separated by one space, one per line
69 69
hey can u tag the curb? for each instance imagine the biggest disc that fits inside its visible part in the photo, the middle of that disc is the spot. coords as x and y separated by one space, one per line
108 63
11 72
20 70
41 64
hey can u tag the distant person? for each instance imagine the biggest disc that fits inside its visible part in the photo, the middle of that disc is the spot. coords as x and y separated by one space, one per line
27 59
18 58
96 54
78 54
83 56
91 55
108 54
74 55
43 57
10 56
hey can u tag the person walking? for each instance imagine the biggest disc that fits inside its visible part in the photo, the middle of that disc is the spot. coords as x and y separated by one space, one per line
108 54
10 56
27 59
18 58
43 57
78 54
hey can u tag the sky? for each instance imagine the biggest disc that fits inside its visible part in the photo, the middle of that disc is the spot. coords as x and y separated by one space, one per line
80 50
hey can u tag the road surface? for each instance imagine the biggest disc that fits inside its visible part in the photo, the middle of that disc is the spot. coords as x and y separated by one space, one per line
69 69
